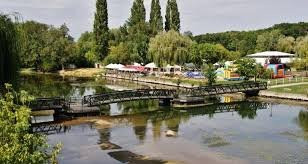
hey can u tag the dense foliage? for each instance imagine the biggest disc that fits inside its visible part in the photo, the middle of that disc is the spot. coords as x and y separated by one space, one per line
48 48
210 74
169 48
18 146
44 47
9 50
138 13
210 53
248 42
173 21
101 29
246 68
156 19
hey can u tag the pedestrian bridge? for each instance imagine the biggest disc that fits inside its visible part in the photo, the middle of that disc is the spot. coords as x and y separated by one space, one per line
91 102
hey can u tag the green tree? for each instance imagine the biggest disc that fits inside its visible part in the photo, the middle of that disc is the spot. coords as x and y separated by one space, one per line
246 67
101 29
210 53
18 146
32 43
268 41
169 48
58 50
286 44
156 19
9 50
86 55
209 72
138 13
138 40
173 21
119 54
301 50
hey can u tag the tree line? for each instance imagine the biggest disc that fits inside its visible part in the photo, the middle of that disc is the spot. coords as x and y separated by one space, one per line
285 37
48 48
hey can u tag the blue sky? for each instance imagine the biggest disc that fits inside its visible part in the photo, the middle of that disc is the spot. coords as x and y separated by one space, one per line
198 16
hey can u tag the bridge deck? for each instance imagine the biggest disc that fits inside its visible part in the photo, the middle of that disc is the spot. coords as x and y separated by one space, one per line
91 103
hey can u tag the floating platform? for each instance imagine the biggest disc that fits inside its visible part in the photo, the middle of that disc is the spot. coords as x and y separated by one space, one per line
186 102
79 110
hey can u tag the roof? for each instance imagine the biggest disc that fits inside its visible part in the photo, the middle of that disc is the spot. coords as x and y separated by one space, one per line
151 65
271 54
114 66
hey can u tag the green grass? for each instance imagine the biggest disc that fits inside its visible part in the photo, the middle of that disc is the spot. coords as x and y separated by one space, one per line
297 89
290 80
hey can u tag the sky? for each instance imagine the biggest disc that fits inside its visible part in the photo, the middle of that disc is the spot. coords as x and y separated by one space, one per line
198 16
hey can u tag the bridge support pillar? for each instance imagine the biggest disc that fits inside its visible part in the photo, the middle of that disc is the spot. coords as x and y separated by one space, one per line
251 93
165 102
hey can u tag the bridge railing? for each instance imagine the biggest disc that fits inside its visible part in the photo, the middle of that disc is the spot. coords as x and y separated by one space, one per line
227 88
99 99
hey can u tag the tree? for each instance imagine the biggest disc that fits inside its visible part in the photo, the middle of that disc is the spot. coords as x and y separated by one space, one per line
156 20
32 43
138 13
9 50
268 41
18 145
275 60
101 29
173 21
86 55
209 53
138 41
210 74
286 44
119 54
246 67
301 50
169 48
58 51
189 34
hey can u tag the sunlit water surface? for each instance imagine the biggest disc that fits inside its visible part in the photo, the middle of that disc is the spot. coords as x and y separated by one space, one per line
242 132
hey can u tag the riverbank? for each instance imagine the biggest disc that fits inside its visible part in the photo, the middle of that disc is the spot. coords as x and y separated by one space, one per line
297 91
81 72
290 96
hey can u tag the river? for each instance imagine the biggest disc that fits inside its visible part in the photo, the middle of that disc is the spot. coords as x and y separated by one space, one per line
243 131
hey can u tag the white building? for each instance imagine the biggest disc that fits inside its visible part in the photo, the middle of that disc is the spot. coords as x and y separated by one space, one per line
264 57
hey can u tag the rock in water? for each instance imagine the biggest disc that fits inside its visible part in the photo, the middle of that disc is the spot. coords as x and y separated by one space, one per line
170 133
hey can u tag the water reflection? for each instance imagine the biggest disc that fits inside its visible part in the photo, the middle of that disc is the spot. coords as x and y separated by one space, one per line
172 119
303 120
55 86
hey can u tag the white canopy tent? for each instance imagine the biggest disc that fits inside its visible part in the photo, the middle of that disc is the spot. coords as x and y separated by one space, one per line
264 57
151 65
114 66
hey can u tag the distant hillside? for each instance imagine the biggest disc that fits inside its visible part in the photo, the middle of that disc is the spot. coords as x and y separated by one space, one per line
245 41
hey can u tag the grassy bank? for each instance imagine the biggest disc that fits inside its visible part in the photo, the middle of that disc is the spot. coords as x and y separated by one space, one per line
296 89
82 72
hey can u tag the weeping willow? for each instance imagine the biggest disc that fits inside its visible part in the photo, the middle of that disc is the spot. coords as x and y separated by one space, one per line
9 50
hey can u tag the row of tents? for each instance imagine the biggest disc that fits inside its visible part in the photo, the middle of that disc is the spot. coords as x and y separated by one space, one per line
138 68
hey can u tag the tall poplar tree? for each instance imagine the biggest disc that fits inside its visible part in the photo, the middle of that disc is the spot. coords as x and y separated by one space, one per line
101 29
156 20
168 16
138 13
172 16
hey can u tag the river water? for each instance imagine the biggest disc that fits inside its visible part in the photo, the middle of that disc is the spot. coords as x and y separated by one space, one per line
243 131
